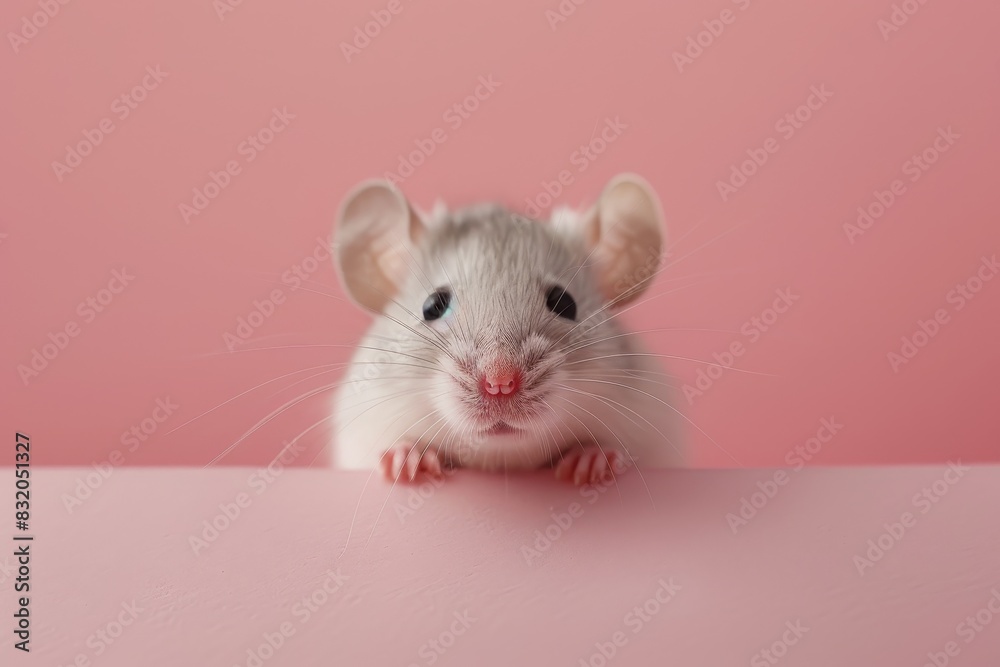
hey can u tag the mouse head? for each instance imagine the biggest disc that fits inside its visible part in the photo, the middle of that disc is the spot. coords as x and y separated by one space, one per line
500 316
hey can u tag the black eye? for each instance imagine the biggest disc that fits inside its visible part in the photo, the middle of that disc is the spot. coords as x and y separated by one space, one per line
437 305
561 303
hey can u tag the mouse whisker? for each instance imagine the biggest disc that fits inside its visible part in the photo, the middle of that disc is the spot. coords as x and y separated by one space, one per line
456 435
431 367
440 343
396 479
269 417
400 353
594 440
429 286
623 375
357 508
305 379
614 302
614 403
547 446
295 288
243 350
243 393
401 364
430 440
685 418
292 403
466 431
324 345
665 356
425 281
381 399
464 335
706 243
611 304
302 433
587 343
585 262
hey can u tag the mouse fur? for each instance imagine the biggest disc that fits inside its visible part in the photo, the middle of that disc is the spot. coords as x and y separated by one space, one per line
589 397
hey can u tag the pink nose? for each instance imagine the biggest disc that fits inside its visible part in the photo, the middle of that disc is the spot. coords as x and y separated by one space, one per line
500 384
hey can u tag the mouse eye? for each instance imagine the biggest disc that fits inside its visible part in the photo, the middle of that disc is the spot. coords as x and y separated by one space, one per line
561 303
437 305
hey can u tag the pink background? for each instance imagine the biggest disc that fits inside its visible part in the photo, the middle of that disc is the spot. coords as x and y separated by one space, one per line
162 337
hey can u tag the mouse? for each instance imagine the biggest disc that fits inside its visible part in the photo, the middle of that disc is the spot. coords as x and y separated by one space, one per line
496 342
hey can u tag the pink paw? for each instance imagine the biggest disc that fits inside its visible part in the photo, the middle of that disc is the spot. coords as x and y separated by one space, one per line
410 458
589 464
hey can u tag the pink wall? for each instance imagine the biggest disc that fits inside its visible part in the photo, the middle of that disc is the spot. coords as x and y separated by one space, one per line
886 97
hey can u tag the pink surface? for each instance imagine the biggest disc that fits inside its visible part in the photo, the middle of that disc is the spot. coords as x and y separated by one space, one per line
890 92
460 575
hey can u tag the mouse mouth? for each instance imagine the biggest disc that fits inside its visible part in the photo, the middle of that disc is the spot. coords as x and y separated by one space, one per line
500 428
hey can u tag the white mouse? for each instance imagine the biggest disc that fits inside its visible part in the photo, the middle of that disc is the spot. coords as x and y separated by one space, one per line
496 343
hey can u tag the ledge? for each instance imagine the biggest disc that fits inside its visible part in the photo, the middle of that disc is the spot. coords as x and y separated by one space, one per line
483 570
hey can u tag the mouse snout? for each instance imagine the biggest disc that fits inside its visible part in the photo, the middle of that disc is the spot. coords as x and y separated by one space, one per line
500 382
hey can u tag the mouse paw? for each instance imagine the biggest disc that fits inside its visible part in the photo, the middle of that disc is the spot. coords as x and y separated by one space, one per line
406 460
591 464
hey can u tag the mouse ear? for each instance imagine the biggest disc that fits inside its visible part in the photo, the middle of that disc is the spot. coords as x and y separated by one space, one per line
625 232
376 230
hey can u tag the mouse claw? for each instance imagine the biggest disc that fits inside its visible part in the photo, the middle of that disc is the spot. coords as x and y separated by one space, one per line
406 461
589 465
